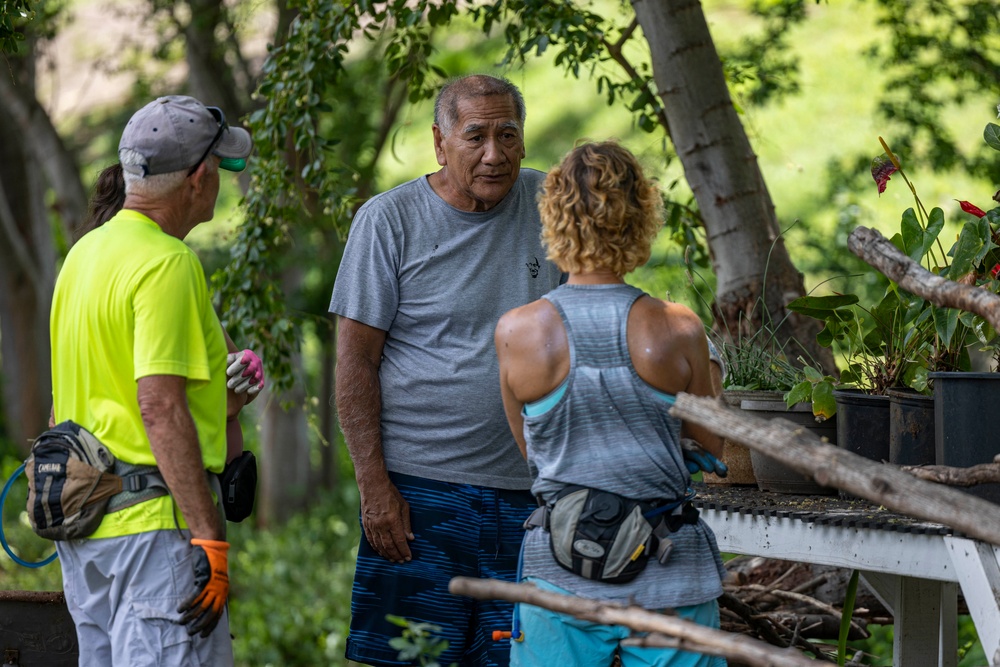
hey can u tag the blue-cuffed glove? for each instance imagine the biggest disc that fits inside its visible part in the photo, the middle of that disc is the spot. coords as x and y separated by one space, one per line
696 458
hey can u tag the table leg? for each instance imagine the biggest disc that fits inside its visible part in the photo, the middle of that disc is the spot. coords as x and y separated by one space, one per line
919 607
978 568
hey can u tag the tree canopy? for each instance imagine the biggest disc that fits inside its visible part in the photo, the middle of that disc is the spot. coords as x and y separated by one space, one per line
299 174
12 13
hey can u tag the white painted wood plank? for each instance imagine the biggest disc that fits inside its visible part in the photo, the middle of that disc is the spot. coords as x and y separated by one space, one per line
919 606
885 587
905 554
978 565
917 629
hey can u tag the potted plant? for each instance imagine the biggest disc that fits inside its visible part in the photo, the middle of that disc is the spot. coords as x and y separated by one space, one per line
882 349
760 380
965 417
755 369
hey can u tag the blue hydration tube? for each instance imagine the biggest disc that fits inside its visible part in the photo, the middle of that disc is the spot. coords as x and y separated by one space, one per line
3 538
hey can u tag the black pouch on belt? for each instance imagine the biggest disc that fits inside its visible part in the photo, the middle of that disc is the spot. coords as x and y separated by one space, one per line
239 487
600 535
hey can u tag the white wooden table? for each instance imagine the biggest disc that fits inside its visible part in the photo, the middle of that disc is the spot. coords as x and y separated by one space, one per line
916 569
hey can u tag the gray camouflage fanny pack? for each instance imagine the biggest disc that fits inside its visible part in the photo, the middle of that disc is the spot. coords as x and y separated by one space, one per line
600 535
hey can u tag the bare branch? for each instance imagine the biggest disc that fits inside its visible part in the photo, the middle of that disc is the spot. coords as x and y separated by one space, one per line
871 246
689 636
831 466
984 473
774 584
804 599
762 626
615 51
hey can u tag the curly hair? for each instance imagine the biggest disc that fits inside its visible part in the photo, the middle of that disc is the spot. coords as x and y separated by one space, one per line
599 211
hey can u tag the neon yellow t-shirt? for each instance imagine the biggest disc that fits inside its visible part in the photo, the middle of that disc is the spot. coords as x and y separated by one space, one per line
131 301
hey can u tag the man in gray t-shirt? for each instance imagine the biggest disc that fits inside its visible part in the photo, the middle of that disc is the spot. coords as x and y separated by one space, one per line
428 269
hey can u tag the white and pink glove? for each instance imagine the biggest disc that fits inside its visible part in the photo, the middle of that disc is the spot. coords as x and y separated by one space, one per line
245 372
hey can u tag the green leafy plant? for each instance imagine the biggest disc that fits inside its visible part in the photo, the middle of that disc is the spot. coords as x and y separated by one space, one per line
13 14
881 346
291 584
813 387
897 341
846 614
756 362
973 260
418 642
919 239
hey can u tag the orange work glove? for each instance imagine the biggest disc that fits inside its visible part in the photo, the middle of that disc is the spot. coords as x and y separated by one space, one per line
203 609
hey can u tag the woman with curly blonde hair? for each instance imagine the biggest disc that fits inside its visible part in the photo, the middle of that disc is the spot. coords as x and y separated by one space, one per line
599 211
588 374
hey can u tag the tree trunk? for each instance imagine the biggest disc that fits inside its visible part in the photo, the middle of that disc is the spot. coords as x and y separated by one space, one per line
213 62
751 263
31 158
39 138
329 471
285 457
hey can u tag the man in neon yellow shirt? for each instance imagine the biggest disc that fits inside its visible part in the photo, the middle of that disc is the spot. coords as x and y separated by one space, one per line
139 359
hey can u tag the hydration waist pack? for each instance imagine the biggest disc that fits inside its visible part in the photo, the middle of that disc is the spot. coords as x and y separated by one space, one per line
74 480
605 537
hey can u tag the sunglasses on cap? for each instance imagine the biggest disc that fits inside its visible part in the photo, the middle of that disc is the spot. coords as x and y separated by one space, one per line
228 163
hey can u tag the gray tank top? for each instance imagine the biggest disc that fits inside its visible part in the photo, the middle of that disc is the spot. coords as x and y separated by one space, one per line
611 430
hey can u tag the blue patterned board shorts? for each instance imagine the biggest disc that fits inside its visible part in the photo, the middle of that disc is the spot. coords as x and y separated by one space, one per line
460 530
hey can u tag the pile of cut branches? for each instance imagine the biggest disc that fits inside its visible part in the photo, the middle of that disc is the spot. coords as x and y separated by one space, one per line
794 604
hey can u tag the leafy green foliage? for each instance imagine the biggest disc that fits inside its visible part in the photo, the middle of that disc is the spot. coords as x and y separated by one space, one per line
816 388
22 539
878 343
300 178
939 55
585 40
877 649
291 593
298 175
12 14
762 68
418 642
756 362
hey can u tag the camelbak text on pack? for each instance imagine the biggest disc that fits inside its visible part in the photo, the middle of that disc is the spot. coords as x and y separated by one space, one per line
72 479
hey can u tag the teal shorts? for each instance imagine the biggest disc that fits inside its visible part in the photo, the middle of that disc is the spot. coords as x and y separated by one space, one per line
551 638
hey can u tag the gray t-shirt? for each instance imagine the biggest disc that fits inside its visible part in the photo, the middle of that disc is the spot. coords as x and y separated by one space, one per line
436 280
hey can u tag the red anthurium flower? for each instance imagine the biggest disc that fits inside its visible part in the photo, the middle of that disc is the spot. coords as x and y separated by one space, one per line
995 270
882 169
971 208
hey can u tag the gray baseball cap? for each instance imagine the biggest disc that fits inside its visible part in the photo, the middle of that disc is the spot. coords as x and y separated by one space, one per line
177 132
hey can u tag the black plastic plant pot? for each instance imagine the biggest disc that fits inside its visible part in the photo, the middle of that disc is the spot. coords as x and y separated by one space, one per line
773 475
863 423
911 428
967 423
